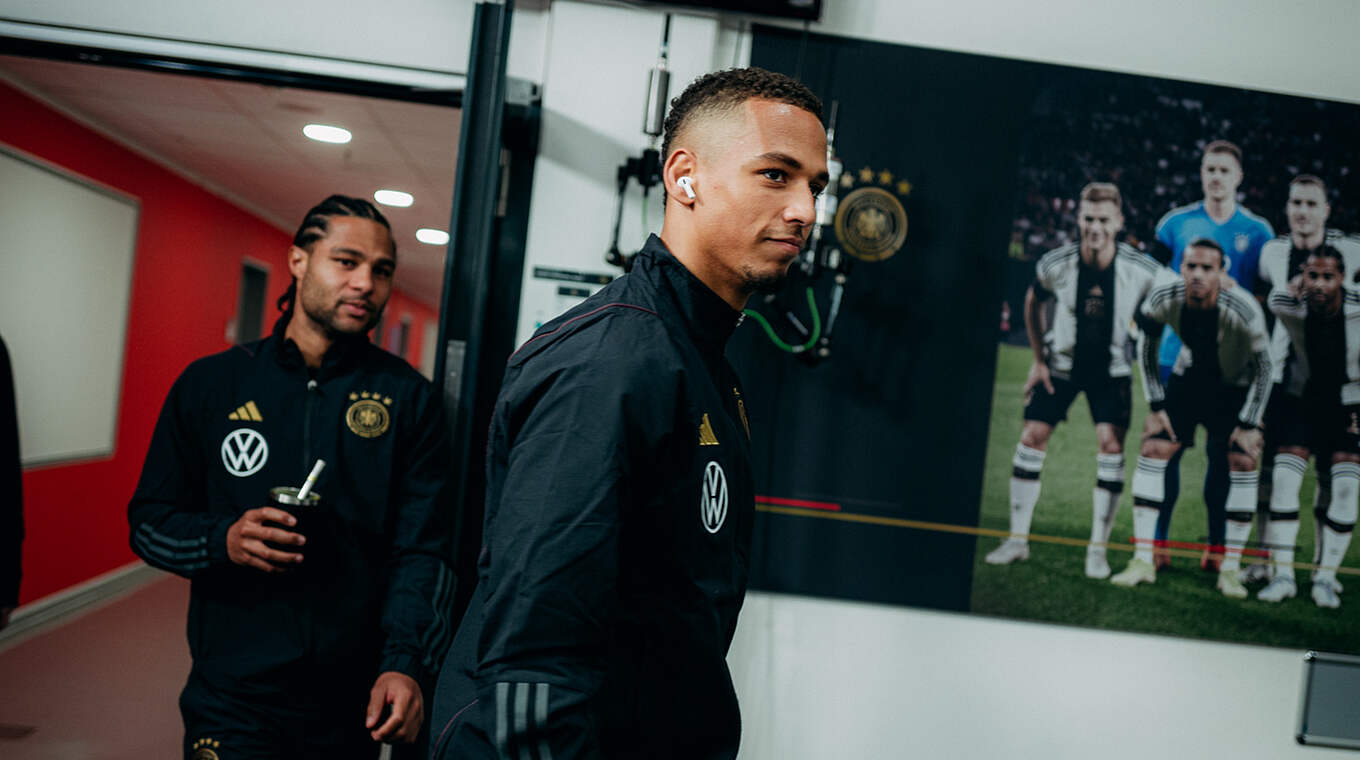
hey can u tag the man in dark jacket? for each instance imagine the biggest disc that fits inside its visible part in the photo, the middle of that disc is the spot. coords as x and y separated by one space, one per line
619 500
310 629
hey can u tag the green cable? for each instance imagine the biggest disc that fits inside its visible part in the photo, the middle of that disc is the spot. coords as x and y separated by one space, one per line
774 338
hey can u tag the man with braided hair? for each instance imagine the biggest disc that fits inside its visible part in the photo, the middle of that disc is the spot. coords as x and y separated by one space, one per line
1282 260
619 498
1320 415
322 657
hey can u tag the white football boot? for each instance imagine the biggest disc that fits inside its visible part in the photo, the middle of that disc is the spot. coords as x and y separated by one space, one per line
1010 550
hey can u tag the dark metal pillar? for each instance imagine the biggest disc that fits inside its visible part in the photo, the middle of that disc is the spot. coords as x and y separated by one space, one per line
470 269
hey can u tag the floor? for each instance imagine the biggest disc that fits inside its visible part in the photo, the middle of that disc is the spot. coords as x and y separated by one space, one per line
102 686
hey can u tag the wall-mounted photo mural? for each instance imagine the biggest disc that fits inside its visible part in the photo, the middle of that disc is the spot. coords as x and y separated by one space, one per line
1089 355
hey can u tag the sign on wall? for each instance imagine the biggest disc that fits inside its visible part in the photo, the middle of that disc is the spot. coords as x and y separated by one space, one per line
67 263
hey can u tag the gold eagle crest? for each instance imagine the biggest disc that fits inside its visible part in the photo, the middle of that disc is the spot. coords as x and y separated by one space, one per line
368 416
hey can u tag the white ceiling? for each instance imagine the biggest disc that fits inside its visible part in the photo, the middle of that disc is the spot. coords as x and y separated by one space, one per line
244 142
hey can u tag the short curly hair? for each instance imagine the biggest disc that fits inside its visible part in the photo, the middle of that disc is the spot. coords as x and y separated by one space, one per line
723 91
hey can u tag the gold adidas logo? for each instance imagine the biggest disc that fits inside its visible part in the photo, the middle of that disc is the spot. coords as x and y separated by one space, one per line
706 436
249 412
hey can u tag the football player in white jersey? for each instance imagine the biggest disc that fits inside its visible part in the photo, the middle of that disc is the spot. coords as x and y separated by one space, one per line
1319 415
1094 286
1221 380
1282 259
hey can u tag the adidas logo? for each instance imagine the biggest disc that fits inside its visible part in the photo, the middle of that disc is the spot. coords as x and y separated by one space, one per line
706 436
249 412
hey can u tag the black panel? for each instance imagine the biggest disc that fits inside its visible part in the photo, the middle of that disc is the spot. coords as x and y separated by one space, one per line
895 424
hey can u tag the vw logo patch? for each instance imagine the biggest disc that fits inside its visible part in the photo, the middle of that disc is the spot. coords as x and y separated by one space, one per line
713 500
244 452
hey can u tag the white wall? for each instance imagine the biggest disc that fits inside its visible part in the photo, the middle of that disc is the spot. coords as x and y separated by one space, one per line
1297 48
832 680
594 89
432 35
823 679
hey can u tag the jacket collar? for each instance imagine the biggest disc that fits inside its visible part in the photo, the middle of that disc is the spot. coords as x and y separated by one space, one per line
343 353
709 320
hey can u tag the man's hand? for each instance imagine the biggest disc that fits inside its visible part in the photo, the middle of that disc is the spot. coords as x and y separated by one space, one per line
1296 285
1038 374
246 537
1158 422
1249 440
408 709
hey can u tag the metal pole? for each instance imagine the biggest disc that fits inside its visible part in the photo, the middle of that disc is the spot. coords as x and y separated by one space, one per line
472 235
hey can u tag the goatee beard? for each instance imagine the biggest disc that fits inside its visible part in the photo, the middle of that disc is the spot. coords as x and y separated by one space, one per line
326 320
766 284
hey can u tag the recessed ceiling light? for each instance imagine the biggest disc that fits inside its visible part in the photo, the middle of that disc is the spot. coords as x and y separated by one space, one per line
431 236
327 134
394 198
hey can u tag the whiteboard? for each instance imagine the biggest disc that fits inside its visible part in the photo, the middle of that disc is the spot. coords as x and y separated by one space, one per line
66 251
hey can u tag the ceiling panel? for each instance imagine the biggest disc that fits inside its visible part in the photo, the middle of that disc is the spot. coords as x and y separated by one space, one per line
244 141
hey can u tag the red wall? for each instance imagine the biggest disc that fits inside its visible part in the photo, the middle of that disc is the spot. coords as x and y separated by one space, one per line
187 270
421 315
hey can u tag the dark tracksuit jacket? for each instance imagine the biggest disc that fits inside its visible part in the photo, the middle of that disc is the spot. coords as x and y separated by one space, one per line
617 536
373 591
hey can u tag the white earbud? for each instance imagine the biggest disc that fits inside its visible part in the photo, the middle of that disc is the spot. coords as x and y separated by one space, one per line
686 184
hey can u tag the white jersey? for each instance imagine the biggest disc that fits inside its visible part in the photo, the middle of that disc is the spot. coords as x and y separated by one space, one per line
1292 314
1058 271
1243 346
1275 270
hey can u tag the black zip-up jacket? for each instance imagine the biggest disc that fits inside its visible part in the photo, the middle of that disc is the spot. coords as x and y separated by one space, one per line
617 536
373 591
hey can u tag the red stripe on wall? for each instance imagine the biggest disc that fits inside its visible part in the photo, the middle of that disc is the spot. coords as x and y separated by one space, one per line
778 501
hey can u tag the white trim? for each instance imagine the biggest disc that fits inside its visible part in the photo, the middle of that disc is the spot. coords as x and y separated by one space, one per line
238 56
63 606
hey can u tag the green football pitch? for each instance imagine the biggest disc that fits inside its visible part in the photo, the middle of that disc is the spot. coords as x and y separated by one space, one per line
1051 586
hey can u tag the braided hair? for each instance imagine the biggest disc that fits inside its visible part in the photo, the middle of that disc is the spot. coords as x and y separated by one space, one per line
316 225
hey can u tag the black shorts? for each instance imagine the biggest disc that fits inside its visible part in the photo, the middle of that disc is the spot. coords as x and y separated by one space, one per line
1278 411
1323 429
1191 404
1107 397
220 725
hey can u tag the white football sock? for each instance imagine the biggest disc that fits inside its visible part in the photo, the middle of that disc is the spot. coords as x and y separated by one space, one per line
1336 533
1149 491
1283 528
1241 509
1105 497
1024 488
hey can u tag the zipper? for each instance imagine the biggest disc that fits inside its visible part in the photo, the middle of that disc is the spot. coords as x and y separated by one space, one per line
312 396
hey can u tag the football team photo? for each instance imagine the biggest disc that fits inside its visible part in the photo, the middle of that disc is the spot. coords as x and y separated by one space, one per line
1174 444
